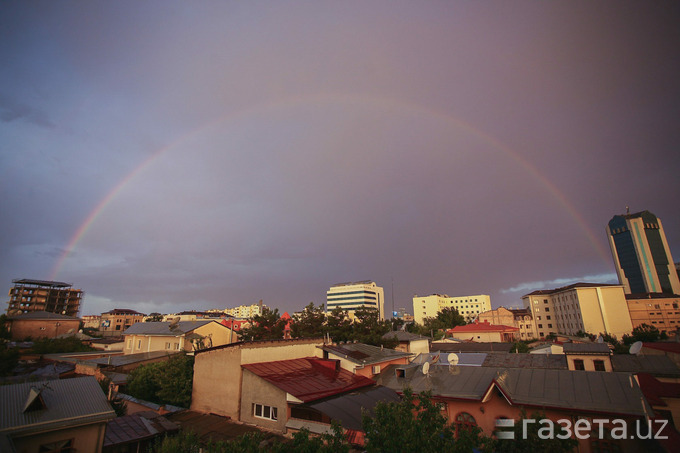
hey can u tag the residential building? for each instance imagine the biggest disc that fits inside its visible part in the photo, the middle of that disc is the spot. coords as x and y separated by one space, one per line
655 309
641 254
41 324
478 396
246 311
91 321
352 296
468 306
364 359
58 415
187 336
410 342
484 332
521 318
41 295
582 307
114 322
216 366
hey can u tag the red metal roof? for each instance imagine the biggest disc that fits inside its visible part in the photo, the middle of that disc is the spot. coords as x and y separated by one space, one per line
310 378
654 389
663 346
483 327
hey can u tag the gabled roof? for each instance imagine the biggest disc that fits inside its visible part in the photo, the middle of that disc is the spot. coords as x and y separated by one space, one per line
42 315
67 402
402 335
308 379
123 311
484 326
589 391
163 328
656 365
364 354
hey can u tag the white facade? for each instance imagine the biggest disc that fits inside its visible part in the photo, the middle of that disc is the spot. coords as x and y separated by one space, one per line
468 306
352 296
245 311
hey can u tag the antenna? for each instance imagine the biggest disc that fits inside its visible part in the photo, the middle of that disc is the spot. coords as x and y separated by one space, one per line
635 348
426 368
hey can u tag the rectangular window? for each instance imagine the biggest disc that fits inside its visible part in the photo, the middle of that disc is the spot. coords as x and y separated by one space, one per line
167 345
266 412
376 369
129 346
578 364
547 309
599 365
547 317
176 345
139 344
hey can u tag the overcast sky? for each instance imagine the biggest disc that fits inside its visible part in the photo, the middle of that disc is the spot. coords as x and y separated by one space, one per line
166 156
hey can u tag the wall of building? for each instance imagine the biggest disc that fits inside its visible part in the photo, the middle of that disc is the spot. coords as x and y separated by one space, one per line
352 296
370 371
135 344
114 324
589 361
88 438
480 337
256 390
503 316
42 328
219 334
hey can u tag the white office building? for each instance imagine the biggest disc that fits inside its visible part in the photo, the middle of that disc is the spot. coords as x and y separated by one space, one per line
351 296
468 306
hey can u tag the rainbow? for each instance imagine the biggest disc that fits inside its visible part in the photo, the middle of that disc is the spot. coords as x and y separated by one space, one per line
386 103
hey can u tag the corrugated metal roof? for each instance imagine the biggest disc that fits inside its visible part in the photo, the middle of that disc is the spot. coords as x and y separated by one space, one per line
586 348
471 346
405 336
66 401
128 359
525 360
445 358
348 408
163 328
136 427
364 354
308 379
656 365
607 392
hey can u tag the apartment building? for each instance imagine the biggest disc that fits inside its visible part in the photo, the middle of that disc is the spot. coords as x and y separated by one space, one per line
468 306
114 322
245 311
41 295
521 318
352 296
581 307
655 309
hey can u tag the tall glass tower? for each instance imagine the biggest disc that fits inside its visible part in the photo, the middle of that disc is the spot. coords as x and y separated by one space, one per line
641 255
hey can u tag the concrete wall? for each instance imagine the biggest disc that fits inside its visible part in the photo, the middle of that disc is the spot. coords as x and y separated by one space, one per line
256 390
88 438
147 343
589 361
219 334
42 328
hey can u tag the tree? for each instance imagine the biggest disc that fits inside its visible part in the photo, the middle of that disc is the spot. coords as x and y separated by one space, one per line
521 346
416 423
54 345
450 318
154 317
266 326
4 327
166 382
338 325
644 333
9 358
309 323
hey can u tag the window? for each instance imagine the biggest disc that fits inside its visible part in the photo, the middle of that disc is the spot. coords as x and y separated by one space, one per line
465 421
376 369
599 365
578 364
547 309
266 412
540 326
547 317
549 326
177 346
139 344
129 346
167 345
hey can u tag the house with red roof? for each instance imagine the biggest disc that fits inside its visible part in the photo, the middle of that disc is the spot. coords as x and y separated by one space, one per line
484 332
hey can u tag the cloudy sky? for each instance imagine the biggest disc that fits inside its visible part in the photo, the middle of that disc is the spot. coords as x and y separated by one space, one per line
167 156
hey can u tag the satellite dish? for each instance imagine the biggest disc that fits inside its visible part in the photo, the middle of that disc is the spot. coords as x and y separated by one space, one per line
174 323
453 359
599 339
426 368
635 348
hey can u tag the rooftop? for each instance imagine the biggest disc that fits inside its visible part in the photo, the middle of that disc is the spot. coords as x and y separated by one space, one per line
666 346
586 348
469 346
484 326
123 311
308 379
402 335
165 328
64 403
364 354
47 283
43 315
568 287
656 365
136 427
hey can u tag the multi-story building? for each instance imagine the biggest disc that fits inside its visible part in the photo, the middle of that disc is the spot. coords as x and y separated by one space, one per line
41 295
468 306
114 322
245 311
521 318
641 254
655 309
582 307
352 296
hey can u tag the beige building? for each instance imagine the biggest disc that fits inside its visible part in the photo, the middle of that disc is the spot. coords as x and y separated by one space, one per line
657 310
113 323
581 307
468 306
187 336
218 372
352 296
521 318
588 356
245 311
41 324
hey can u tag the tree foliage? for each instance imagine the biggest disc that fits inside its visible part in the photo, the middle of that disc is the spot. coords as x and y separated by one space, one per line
154 317
265 326
117 404
9 359
644 333
55 345
436 326
166 382
309 323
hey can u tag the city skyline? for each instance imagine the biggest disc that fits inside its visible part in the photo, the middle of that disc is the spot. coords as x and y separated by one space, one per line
166 156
